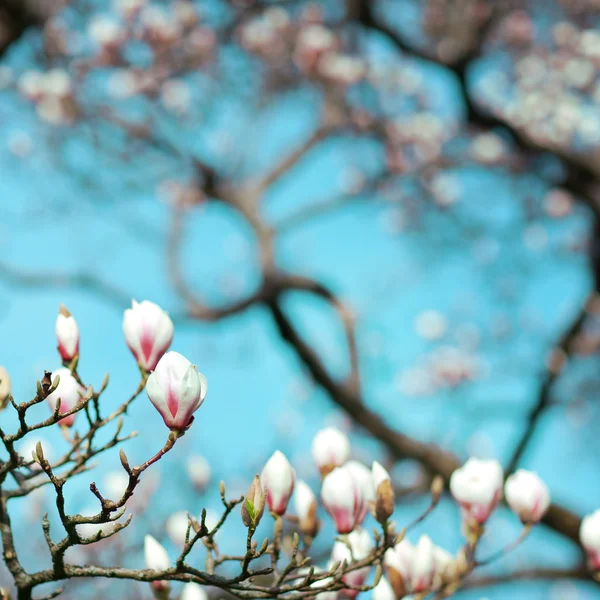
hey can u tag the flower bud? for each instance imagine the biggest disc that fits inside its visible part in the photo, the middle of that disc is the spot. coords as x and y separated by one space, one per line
254 504
177 390
70 393
589 535
157 559
477 487
5 388
330 449
383 590
445 567
411 569
306 509
423 565
364 479
278 478
199 471
342 498
398 561
193 591
360 547
384 493
67 334
527 495
148 332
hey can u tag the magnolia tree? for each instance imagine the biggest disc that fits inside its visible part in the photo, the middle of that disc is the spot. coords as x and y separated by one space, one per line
140 83
350 491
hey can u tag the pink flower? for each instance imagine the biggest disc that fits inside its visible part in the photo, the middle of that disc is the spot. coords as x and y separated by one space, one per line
176 389
69 392
67 334
527 496
278 478
342 498
360 547
411 569
477 487
148 332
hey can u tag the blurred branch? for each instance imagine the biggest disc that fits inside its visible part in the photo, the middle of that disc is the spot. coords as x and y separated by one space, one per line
536 574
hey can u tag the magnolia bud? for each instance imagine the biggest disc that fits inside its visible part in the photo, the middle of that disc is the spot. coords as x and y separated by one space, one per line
5 388
342 498
364 479
177 390
527 495
67 334
157 559
477 487
69 392
148 332
589 535
423 565
360 546
384 493
199 471
254 504
306 509
278 479
383 590
193 591
330 449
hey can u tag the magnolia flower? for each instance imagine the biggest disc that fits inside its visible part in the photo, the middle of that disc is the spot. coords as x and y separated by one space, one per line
148 332
278 478
157 559
69 392
423 565
411 569
306 509
5 388
67 334
199 471
589 535
176 389
477 487
383 590
254 503
384 493
364 479
360 547
527 495
176 527
342 498
330 449
444 566
193 591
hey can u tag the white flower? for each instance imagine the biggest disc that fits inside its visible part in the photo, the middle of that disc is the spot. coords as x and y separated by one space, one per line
198 470
342 498
69 392
383 590
278 478
360 546
589 535
67 334
330 449
176 527
363 476
527 495
105 31
477 487
176 389
193 591
148 332
305 503
157 559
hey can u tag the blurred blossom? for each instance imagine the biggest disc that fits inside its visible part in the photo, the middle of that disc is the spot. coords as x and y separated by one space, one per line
20 144
115 484
431 325
445 189
122 84
128 8
416 381
176 527
105 31
199 471
176 96
558 203
487 148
